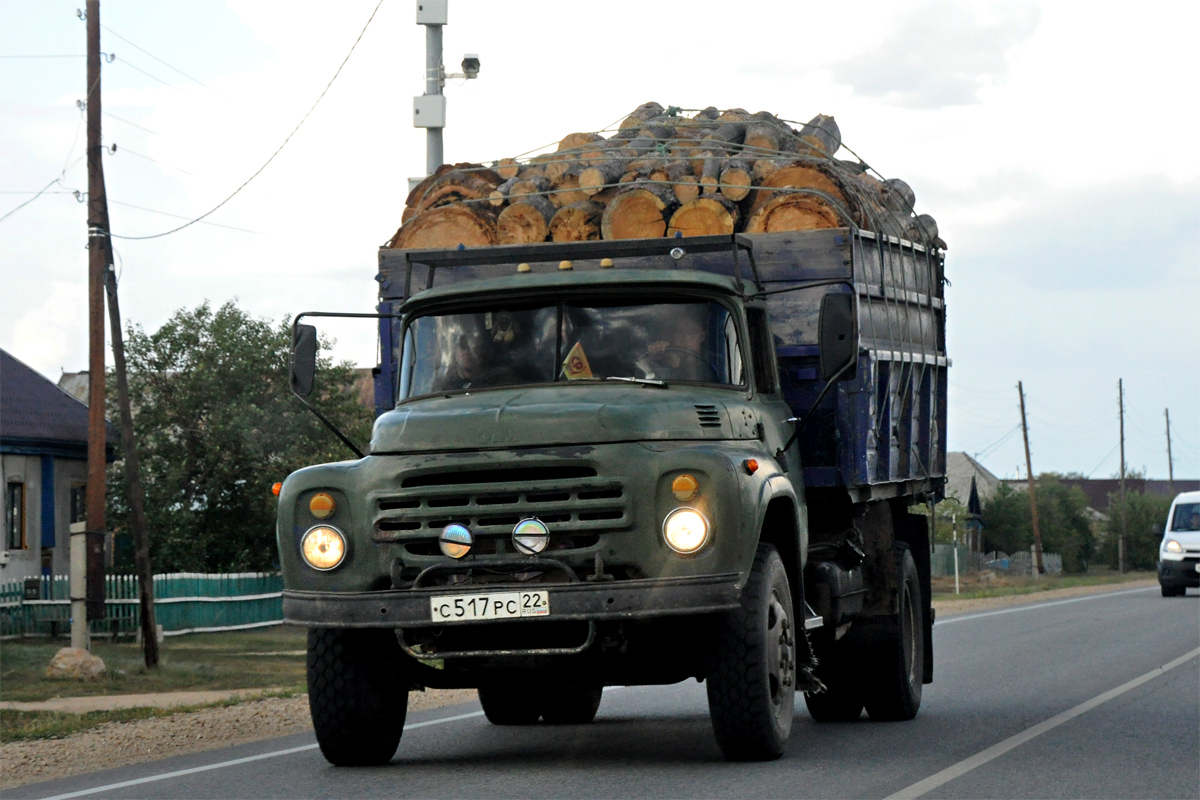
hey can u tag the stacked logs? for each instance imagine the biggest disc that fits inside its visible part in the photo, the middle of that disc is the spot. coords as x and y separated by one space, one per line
664 174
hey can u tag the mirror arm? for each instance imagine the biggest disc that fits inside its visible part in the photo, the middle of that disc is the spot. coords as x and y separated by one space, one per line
329 425
802 421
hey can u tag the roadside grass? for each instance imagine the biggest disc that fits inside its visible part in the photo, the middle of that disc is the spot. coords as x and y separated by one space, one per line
255 659
988 584
16 726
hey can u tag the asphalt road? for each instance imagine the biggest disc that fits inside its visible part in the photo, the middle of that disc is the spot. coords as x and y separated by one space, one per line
1090 697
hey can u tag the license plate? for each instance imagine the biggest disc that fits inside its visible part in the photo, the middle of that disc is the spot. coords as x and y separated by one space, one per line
494 605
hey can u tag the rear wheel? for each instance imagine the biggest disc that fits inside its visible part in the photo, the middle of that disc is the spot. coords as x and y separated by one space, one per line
509 706
573 706
898 648
842 698
752 671
357 694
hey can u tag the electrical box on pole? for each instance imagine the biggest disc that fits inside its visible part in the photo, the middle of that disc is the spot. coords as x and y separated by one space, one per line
429 109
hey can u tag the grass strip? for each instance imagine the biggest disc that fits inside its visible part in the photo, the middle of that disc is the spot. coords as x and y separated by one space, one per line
974 589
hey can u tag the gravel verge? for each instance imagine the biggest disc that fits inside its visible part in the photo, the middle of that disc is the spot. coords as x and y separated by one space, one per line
121 744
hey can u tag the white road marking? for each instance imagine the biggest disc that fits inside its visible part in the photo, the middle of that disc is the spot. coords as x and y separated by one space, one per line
995 751
236 761
1033 606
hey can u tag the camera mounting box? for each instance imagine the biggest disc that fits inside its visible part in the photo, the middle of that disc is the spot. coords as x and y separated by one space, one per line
432 12
429 111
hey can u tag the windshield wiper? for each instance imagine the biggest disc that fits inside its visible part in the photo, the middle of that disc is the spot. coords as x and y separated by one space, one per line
642 381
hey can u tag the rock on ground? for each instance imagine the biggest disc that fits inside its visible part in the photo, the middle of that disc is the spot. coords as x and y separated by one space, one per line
76 663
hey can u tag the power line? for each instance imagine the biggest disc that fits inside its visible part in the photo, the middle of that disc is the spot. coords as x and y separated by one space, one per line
65 56
159 60
127 63
277 150
30 200
148 158
127 122
180 216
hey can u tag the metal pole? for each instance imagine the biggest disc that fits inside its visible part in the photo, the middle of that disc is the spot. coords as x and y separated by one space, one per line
1124 517
1037 533
954 522
96 269
433 85
1170 460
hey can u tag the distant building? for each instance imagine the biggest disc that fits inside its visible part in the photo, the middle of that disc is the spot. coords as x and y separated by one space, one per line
43 468
960 469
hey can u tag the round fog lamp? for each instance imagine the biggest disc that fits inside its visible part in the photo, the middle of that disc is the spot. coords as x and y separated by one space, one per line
684 488
685 530
323 547
321 505
455 540
530 536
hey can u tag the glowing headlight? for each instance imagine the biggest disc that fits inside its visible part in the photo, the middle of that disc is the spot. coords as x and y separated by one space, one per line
321 505
323 547
686 530
1173 546
455 540
531 536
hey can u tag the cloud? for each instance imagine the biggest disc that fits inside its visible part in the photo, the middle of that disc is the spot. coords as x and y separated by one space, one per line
941 55
43 335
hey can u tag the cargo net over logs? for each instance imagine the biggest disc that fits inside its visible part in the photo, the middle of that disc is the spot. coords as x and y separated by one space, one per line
665 172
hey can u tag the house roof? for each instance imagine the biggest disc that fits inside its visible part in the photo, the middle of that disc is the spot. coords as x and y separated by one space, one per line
37 417
960 469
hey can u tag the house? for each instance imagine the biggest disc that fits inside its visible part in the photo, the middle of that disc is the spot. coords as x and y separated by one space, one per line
960 469
43 469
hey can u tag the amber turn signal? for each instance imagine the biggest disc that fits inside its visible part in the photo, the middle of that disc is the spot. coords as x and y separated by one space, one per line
321 506
275 488
684 488
751 466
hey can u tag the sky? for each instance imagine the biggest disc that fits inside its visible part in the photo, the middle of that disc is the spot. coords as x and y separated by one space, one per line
1054 142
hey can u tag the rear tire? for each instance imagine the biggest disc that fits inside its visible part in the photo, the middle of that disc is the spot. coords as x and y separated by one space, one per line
357 694
573 706
509 706
898 646
842 699
752 668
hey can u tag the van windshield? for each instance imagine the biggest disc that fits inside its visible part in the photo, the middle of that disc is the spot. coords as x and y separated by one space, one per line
1186 517
687 342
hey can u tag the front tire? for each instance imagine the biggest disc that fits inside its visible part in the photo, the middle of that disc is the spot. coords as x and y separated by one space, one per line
898 646
357 694
752 668
1172 591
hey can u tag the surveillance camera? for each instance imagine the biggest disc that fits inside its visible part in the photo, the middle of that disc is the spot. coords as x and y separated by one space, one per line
470 65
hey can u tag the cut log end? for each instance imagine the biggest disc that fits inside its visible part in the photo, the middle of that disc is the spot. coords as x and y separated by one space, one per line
448 226
577 222
793 212
526 221
704 216
635 214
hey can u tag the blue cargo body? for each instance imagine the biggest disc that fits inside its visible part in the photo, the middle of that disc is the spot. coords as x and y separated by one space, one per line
880 434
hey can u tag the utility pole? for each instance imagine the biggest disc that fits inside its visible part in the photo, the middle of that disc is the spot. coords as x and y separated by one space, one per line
429 110
1037 532
97 265
1121 560
1170 460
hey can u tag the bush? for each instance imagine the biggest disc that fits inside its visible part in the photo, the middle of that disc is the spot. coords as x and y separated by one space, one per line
1062 519
1146 515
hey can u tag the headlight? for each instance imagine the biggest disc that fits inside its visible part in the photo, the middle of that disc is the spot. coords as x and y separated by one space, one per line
686 530
323 547
531 536
1173 546
455 540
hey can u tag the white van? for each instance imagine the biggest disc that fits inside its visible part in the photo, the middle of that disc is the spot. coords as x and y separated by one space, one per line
1179 553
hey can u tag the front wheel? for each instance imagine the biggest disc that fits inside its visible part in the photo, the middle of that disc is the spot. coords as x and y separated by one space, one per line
1172 591
357 694
898 647
752 667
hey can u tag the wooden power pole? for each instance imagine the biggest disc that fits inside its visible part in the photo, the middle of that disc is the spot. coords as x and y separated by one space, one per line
1037 532
1170 460
1121 559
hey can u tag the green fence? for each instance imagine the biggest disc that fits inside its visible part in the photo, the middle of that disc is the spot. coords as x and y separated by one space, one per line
184 602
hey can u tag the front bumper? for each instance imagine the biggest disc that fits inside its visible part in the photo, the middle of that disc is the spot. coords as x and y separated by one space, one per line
610 600
1179 573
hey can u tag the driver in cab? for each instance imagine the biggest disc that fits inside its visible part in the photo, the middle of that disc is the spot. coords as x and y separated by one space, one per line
681 354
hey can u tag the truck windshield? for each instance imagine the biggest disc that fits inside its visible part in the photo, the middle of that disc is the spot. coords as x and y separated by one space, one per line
688 342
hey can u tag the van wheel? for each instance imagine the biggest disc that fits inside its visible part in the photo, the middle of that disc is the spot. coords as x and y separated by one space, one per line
1172 591
898 647
752 667
509 705
571 706
357 694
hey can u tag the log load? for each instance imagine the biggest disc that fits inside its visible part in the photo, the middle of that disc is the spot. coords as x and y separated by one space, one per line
663 172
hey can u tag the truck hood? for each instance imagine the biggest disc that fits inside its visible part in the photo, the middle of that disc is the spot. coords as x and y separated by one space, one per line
554 415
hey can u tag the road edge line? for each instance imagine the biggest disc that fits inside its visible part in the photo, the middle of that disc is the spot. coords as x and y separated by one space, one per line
995 751
1031 606
232 762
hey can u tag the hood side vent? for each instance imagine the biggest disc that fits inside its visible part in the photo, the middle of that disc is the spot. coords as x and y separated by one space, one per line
708 416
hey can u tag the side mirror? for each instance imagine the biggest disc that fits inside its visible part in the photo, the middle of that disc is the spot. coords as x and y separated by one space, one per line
838 335
304 359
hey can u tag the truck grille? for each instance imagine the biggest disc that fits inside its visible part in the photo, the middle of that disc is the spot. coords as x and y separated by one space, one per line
574 503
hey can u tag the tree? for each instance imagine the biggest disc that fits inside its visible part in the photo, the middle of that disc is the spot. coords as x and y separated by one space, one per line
216 425
1146 516
1062 514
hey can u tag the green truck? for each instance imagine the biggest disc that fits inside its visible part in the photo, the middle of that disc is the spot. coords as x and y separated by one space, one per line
627 463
